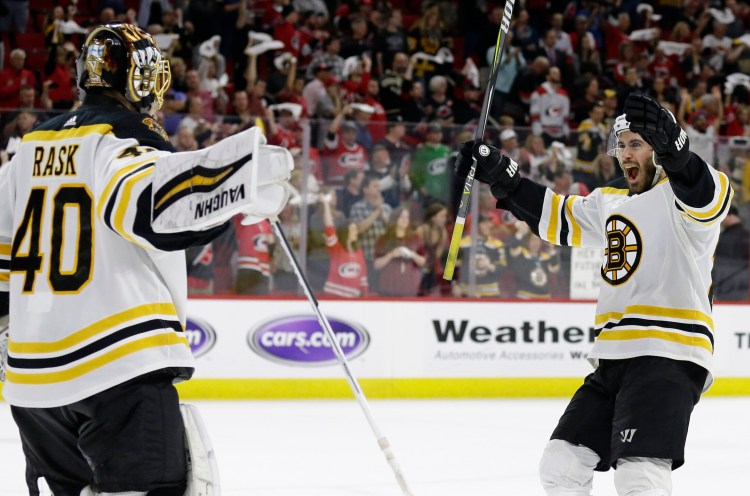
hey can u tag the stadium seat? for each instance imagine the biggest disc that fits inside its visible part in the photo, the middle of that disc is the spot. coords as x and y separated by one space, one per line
36 59
30 41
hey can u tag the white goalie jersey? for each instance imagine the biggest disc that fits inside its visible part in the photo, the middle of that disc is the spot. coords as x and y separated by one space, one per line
645 237
96 296
80 324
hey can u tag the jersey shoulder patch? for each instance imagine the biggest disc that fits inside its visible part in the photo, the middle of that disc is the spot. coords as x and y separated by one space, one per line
143 128
155 127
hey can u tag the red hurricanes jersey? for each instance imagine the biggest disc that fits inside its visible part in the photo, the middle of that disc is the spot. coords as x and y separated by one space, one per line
348 273
252 251
340 158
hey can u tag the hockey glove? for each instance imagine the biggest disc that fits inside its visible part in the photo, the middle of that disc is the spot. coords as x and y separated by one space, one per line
659 128
462 165
495 169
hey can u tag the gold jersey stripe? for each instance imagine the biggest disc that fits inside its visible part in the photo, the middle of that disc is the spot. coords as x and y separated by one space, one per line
653 311
75 132
630 334
93 329
614 191
164 339
4 250
553 219
122 208
719 203
113 182
4 276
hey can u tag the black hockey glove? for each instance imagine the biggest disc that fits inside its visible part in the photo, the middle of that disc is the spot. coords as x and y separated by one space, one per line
495 169
462 165
659 128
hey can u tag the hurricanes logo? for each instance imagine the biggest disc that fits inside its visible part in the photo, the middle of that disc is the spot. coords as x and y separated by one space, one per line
623 251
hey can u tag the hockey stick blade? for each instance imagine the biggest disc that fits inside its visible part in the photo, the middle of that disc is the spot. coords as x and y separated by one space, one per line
463 206
385 446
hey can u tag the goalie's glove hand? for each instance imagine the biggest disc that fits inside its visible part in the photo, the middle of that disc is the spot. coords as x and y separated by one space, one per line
495 169
3 346
464 161
659 128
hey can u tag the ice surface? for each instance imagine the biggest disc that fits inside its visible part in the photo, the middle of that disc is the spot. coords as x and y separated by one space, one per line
445 448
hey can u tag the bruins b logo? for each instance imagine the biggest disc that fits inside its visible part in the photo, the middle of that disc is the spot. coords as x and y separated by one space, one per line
622 253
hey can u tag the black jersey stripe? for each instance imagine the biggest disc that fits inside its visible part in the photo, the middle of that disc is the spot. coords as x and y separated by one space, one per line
711 219
564 230
662 324
4 264
98 345
116 191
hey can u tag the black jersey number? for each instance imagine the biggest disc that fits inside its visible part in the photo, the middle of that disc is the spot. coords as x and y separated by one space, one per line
26 254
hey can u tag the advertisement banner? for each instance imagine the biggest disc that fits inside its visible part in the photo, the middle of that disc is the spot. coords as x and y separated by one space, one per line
383 339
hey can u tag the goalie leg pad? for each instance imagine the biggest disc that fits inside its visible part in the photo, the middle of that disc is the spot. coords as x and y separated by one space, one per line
202 470
640 476
566 469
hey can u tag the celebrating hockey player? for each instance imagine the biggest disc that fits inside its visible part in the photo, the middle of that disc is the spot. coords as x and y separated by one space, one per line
95 212
654 344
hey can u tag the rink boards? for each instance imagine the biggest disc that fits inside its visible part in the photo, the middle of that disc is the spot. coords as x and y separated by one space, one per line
263 349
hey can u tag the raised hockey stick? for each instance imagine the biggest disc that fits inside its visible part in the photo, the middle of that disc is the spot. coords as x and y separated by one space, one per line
356 389
463 207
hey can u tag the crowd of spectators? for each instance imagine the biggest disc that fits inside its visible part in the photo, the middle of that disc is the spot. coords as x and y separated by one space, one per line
372 98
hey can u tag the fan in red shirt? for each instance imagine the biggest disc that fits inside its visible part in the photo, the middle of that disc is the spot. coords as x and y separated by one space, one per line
377 124
13 78
287 32
253 257
347 276
399 257
342 152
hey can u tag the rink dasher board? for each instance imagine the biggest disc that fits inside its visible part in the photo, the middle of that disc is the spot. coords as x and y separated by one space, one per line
275 349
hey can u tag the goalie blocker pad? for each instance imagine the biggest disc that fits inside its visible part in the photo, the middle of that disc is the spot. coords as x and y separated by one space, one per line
205 188
202 469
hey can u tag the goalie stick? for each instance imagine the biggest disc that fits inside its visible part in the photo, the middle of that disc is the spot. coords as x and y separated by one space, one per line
463 207
353 383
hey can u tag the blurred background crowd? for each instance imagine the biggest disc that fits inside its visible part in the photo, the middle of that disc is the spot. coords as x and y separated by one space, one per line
373 97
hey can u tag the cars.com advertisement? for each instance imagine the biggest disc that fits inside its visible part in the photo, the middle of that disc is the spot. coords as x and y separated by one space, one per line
301 341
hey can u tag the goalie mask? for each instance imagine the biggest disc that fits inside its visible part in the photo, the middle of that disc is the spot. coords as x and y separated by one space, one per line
126 59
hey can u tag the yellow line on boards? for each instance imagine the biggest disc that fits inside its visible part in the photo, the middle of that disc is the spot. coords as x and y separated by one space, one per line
378 388
468 388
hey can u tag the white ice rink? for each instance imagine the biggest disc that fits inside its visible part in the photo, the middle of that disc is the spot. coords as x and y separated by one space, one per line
445 448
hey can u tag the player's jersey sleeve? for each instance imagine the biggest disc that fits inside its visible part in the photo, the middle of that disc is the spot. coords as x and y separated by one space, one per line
6 226
702 194
123 196
567 220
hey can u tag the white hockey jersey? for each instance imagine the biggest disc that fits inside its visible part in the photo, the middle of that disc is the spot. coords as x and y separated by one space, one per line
655 297
95 299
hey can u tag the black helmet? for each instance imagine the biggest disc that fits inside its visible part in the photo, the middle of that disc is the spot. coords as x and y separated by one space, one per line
126 59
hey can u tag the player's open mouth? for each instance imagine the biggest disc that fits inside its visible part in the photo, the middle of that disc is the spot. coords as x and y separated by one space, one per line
632 172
